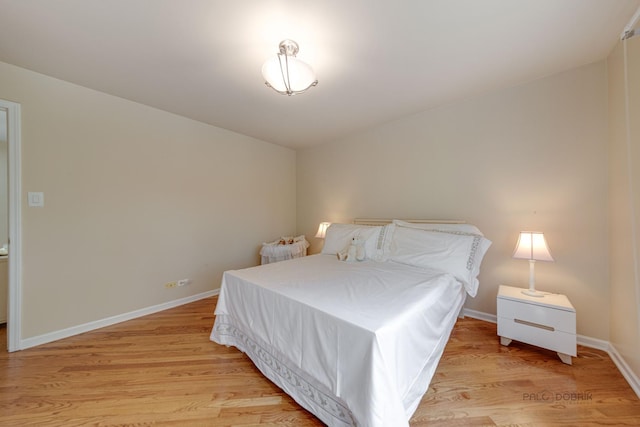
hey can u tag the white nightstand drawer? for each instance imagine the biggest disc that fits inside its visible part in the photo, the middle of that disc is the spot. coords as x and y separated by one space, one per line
556 340
556 320
548 321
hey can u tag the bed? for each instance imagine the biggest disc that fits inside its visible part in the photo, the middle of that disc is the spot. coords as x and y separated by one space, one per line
355 343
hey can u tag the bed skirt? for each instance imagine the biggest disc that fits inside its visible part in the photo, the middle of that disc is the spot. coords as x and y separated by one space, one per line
307 392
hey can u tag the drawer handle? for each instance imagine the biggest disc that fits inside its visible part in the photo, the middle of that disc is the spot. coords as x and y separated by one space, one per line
535 325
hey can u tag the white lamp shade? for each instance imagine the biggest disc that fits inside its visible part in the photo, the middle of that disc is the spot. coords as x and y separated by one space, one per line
300 75
322 230
533 246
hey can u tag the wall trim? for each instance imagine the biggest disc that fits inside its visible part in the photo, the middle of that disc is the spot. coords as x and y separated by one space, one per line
594 343
585 341
97 324
491 318
624 368
14 289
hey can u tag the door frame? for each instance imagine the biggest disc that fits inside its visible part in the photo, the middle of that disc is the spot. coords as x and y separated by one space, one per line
14 300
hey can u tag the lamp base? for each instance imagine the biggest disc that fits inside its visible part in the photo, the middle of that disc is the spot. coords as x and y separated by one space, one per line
533 293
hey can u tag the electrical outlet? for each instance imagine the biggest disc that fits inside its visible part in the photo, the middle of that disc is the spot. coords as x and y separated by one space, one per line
171 285
184 282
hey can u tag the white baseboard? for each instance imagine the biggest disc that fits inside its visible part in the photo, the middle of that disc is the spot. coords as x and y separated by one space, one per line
624 369
75 330
598 344
492 318
593 343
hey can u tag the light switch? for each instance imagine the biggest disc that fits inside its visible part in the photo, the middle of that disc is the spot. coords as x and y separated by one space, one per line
36 200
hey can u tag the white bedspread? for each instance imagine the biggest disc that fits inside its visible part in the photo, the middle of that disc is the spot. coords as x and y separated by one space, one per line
354 343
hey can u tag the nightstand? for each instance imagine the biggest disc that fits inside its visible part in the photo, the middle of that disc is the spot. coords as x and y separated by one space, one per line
548 322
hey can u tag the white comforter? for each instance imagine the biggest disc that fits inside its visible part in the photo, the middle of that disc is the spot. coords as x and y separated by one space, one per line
354 343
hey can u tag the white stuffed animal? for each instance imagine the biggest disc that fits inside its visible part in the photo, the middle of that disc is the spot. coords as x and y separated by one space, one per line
353 252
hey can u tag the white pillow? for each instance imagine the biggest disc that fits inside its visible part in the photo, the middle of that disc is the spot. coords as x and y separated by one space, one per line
465 228
383 244
339 236
459 254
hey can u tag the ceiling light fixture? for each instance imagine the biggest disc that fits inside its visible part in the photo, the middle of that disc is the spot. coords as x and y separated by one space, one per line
285 73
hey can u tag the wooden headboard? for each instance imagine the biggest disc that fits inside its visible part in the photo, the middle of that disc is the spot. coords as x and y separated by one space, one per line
383 221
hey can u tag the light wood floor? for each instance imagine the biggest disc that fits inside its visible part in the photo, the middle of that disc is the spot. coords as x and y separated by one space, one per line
163 370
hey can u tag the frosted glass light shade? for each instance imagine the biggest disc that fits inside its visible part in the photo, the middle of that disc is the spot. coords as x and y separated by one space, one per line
285 73
532 245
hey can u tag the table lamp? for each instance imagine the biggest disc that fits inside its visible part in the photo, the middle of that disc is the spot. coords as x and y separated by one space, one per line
533 247
322 230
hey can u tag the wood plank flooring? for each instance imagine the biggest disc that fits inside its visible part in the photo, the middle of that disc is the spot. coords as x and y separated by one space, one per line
163 370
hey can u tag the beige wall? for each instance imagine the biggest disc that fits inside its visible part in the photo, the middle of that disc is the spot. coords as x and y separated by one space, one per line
134 198
529 157
624 173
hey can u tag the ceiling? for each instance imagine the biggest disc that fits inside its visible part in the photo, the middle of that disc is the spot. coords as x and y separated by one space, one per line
376 60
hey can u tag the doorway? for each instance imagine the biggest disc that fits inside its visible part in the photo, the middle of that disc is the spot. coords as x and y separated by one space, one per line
4 219
10 115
